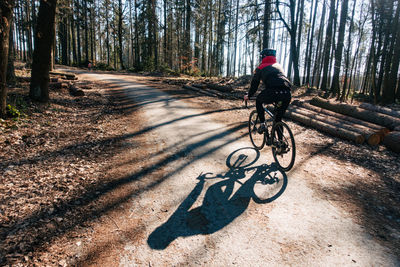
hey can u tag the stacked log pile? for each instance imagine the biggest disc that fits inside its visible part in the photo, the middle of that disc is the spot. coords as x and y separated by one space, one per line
312 120
357 124
392 139
365 123
60 81
385 120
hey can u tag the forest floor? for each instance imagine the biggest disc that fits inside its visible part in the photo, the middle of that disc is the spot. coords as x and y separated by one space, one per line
106 179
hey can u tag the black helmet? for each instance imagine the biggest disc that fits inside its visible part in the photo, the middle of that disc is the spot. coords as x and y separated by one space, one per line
268 52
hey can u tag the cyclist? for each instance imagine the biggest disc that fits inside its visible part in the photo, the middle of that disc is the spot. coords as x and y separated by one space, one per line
277 86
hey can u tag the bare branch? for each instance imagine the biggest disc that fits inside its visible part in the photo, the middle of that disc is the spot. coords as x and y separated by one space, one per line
280 16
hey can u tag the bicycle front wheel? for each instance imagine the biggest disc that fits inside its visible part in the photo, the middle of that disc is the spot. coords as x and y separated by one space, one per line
257 139
283 146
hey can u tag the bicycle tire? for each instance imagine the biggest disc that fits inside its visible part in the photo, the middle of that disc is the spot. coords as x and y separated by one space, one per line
289 152
258 140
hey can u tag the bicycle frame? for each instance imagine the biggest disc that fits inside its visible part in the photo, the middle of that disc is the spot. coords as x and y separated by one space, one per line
272 115
279 137
269 113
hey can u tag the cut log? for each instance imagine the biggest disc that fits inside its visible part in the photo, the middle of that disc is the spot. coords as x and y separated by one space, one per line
325 127
356 112
338 115
176 81
75 91
201 86
384 110
392 141
218 87
54 80
199 90
69 76
370 135
381 130
58 85
219 94
24 79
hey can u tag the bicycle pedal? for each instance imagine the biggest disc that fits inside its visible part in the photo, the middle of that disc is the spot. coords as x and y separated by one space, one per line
268 141
261 129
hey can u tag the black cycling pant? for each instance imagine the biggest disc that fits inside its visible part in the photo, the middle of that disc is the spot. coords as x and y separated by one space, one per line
269 97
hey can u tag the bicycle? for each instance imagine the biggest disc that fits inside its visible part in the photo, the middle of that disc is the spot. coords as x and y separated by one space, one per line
276 134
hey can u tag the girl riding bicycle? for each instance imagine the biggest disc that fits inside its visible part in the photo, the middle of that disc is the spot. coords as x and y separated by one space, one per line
277 86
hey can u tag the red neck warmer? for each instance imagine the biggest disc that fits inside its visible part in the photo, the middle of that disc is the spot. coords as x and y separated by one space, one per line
267 61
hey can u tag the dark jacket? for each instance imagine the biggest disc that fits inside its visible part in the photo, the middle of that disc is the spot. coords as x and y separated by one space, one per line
271 73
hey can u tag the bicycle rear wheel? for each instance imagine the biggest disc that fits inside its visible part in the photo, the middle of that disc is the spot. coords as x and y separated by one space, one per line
283 146
257 139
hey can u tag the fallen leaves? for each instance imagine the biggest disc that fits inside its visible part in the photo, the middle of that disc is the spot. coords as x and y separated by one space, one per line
48 161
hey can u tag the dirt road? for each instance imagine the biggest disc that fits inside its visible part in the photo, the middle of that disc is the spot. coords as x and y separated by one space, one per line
207 198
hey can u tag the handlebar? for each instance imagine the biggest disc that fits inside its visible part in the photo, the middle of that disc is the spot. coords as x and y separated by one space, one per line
251 98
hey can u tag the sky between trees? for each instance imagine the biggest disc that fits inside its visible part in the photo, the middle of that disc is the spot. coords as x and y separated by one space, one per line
343 47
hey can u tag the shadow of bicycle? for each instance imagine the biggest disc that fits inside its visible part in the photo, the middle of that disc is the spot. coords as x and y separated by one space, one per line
223 201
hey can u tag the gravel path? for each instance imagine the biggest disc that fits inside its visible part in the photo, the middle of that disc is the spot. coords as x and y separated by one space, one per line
215 201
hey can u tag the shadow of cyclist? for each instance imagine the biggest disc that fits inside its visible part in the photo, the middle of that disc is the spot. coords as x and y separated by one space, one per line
221 205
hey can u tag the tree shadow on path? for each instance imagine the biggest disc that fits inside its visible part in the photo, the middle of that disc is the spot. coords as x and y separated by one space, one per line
221 204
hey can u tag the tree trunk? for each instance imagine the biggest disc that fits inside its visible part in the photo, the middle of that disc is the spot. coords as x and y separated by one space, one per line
120 37
6 13
292 29
228 54
92 35
386 52
328 43
73 39
22 36
154 34
299 32
107 34
295 58
188 50
78 34
138 61
62 35
318 55
152 56
44 39
267 24
197 44
85 10
236 36
335 88
205 38
29 30
389 86
333 48
165 32
347 60
11 79
310 34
